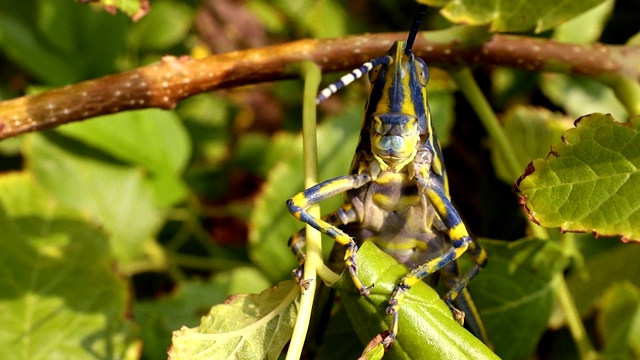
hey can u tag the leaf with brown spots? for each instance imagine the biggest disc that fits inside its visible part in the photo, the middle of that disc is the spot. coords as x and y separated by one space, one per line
590 182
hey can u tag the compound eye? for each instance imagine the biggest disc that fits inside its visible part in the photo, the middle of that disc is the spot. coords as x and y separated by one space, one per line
422 71
374 73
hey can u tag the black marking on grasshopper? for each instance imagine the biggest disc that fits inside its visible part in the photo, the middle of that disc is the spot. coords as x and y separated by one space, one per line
396 193
415 27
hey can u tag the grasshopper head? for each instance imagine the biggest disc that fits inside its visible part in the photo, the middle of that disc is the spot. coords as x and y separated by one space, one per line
397 107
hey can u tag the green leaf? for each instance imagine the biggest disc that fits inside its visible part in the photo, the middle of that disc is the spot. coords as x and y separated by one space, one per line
166 25
333 344
427 329
114 195
442 112
326 19
187 304
11 146
255 326
375 351
209 122
509 86
59 296
621 266
271 225
531 131
57 22
61 43
518 277
580 96
619 314
20 43
134 8
590 182
270 17
155 139
99 38
586 28
514 15
441 103
634 40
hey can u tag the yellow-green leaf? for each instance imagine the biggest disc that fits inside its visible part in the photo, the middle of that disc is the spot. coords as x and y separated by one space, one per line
59 295
255 326
590 182
186 305
618 319
114 195
512 15
579 95
531 130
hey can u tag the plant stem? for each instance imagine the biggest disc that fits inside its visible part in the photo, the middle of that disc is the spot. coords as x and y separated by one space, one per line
174 79
467 84
578 332
312 76
470 89
628 92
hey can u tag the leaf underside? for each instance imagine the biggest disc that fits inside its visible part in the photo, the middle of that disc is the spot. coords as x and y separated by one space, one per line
254 326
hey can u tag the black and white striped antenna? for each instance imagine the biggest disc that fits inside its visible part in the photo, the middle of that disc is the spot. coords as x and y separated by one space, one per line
366 67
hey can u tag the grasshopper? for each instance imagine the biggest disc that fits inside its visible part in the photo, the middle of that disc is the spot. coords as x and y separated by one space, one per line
397 192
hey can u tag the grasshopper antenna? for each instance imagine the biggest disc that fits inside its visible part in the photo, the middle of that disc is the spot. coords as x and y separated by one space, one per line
366 67
414 29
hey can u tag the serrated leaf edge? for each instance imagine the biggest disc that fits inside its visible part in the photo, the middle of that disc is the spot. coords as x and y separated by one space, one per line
522 199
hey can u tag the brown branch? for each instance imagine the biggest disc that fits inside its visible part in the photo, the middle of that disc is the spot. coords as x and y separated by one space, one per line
163 84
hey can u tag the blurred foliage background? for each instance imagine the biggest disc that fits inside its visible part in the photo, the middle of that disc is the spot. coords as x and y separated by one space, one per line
120 229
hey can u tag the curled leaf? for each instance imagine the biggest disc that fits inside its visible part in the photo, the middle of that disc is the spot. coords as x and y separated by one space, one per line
427 328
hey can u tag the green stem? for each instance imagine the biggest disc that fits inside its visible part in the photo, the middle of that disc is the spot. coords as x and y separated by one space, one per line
628 92
578 332
470 89
312 76
467 84
327 275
